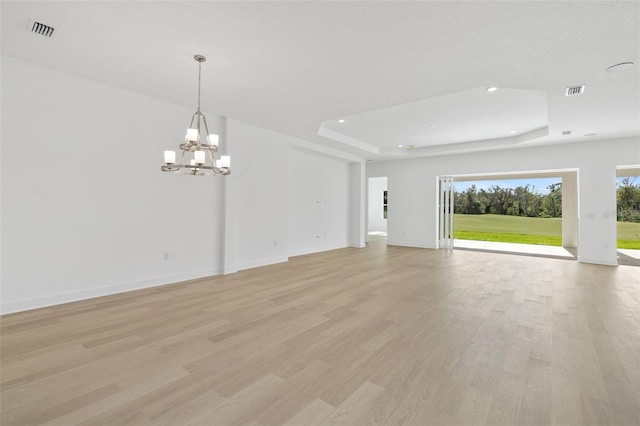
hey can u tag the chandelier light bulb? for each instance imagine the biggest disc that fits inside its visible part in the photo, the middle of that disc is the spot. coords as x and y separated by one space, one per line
225 161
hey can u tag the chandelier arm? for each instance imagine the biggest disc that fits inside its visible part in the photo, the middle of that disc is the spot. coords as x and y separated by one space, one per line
193 117
182 157
206 128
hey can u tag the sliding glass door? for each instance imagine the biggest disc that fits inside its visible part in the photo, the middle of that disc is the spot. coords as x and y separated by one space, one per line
445 210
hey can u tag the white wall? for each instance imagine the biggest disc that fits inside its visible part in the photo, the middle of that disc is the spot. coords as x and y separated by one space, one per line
282 200
412 188
357 204
86 210
318 203
259 182
376 221
570 210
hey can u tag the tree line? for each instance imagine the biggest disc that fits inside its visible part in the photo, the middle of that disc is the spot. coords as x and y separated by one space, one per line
526 201
628 197
519 201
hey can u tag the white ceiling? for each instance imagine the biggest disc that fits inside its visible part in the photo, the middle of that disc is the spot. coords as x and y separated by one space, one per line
471 115
388 68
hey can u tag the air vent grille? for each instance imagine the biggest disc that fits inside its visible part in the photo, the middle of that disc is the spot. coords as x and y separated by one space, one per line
566 132
42 29
575 90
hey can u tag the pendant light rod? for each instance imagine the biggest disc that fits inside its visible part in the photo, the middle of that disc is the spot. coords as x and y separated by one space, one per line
200 59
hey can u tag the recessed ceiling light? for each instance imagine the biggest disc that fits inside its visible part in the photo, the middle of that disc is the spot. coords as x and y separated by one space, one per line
491 89
341 120
513 131
591 134
622 66
400 146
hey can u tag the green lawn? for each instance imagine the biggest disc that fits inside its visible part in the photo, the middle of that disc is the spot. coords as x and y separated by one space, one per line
628 235
528 230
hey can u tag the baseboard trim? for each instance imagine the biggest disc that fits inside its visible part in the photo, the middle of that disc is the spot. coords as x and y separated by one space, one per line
411 244
313 250
598 261
262 262
84 294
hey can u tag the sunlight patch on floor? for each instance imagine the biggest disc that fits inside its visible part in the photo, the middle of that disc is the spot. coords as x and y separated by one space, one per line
531 249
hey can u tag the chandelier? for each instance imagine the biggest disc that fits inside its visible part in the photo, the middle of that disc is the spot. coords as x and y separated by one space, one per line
203 145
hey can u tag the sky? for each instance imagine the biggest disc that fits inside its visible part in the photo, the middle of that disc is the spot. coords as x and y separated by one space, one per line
539 185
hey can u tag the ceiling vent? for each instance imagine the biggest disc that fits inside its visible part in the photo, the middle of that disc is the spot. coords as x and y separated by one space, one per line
575 90
566 132
42 29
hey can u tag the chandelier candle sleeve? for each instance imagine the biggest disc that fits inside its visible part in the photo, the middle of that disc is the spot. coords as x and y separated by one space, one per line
192 135
199 157
169 157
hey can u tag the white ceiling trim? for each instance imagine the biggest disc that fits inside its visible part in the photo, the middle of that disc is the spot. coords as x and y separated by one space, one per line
347 140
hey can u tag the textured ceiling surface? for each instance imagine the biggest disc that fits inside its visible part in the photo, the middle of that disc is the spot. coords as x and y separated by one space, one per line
389 69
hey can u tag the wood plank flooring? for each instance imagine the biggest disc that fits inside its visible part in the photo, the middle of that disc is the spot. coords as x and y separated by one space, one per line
381 335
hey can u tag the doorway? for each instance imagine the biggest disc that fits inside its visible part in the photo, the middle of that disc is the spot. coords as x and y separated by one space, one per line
533 213
628 215
378 198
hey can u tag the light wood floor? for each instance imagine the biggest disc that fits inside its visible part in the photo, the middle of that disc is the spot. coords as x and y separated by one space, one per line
382 335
